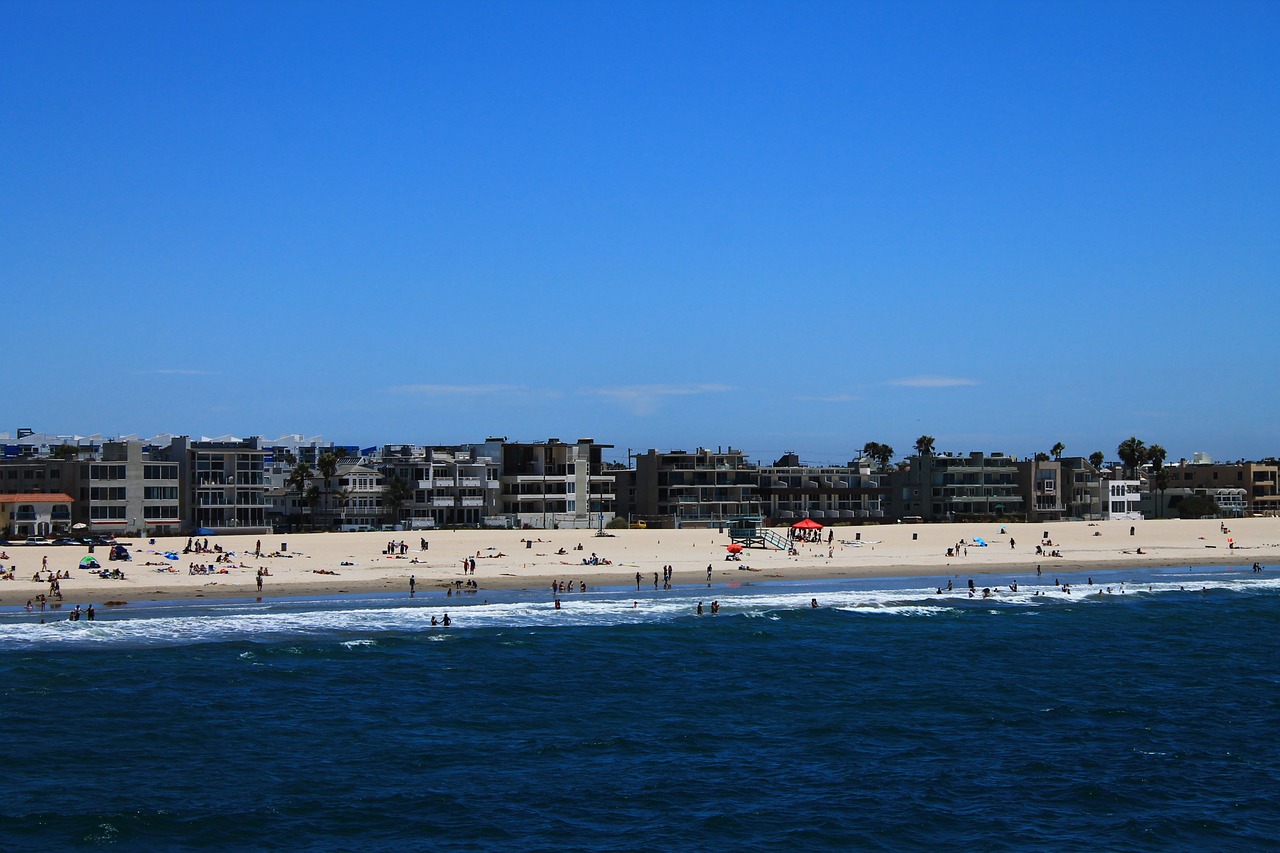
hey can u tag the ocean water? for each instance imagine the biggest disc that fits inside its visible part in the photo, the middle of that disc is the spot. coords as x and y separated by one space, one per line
889 718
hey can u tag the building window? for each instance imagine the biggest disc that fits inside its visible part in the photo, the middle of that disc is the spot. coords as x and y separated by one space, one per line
107 493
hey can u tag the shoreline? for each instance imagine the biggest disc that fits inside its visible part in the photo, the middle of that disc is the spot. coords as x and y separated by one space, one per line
509 560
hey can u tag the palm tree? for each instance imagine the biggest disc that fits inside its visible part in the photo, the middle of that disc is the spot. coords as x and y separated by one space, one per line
396 493
1096 459
924 445
339 498
881 453
1132 452
299 477
1057 450
1160 477
312 498
327 465
1156 456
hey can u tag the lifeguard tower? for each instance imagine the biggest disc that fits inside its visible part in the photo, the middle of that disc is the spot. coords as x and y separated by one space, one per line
749 532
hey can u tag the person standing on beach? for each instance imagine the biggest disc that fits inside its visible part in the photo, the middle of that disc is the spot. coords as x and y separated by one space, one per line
413 585
637 581
708 573
259 580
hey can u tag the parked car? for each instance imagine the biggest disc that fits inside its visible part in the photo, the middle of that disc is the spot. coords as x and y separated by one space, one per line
38 540
65 540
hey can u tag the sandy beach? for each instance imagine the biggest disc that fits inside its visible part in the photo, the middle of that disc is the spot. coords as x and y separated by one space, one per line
335 563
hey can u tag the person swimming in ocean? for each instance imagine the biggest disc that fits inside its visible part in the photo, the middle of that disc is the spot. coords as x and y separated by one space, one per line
446 621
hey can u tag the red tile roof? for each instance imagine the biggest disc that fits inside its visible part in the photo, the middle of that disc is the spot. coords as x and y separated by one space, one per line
36 498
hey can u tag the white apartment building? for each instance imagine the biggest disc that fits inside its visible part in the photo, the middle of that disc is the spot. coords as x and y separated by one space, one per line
1120 499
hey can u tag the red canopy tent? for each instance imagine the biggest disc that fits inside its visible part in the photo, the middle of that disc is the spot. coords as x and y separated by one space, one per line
806 524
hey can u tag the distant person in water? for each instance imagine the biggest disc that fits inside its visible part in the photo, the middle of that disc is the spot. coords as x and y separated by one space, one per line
813 602
446 621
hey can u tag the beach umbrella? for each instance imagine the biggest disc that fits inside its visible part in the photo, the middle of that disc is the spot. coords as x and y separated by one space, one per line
79 525
89 563
735 548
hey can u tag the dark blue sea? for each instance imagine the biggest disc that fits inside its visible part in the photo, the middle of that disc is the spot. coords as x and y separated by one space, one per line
889 717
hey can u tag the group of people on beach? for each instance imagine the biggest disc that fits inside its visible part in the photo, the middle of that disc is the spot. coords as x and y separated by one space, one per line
814 536
195 546
201 569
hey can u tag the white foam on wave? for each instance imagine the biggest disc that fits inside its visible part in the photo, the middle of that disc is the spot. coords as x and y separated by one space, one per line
356 626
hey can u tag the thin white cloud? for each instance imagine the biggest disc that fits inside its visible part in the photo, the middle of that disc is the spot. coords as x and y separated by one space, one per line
645 399
933 381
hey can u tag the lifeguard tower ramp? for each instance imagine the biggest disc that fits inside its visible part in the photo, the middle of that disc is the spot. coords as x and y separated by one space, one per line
750 532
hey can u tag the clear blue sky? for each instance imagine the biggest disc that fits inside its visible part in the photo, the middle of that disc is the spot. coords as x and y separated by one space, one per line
778 226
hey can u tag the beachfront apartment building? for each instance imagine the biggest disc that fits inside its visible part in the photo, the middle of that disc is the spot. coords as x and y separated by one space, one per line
35 514
1060 489
355 499
223 481
118 486
789 491
946 487
1041 482
129 487
1120 499
445 485
700 488
552 484
1240 488
32 474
